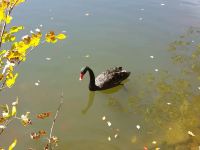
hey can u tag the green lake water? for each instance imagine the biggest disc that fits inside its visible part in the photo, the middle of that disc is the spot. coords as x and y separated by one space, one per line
156 40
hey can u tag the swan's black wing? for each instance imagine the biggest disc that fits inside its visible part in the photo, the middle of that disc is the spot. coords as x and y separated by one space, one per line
111 77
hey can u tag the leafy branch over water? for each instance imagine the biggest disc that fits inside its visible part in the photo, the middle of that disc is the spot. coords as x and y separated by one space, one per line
12 57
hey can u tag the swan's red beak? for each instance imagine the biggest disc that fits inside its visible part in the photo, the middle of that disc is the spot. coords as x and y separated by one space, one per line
81 76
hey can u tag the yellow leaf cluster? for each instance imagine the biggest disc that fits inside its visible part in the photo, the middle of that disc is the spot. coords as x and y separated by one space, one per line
52 38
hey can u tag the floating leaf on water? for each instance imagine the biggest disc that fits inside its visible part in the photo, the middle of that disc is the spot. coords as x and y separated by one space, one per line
152 57
48 58
154 142
116 136
138 127
109 123
104 118
109 138
156 70
37 84
87 56
191 133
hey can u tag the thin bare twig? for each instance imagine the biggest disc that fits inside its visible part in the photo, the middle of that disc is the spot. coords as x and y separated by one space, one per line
55 117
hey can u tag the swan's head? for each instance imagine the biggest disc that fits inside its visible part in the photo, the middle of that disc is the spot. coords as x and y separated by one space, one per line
82 73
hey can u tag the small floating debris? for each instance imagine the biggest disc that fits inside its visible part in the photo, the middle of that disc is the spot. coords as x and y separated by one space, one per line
51 18
162 4
37 84
48 58
156 70
199 87
109 123
140 18
109 138
38 81
41 25
87 14
64 31
87 56
104 118
191 133
169 103
192 41
142 9
152 57
154 142
116 136
138 127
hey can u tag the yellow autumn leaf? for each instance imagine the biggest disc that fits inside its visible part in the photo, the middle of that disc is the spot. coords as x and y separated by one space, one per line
50 37
3 52
61 36
8 19
2 15
11 81
15 29
14 111
11 147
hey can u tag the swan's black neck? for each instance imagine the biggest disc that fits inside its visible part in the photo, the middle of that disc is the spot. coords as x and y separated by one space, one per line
92 86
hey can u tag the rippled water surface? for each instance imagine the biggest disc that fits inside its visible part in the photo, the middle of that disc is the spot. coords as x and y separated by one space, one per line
157 40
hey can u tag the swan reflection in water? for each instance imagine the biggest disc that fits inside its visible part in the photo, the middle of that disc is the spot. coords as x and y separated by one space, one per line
91 95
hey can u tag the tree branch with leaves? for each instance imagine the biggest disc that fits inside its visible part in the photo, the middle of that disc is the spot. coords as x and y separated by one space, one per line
11 58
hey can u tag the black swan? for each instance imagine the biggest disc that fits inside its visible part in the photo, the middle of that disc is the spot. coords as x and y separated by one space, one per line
107 79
